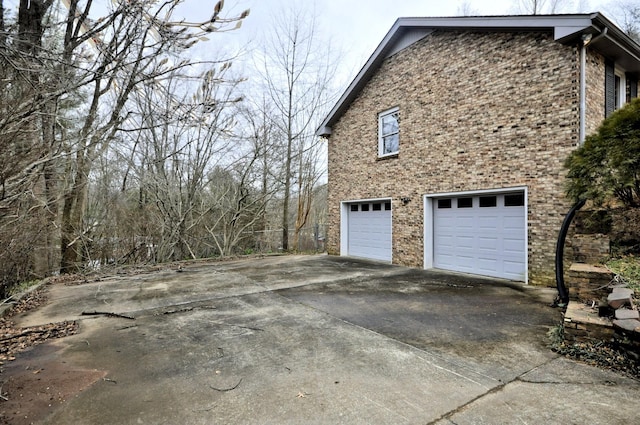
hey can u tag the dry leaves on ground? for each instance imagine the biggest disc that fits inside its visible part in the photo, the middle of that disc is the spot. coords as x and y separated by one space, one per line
14 339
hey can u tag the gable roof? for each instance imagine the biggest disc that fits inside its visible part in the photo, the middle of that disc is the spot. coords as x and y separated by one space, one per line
607 38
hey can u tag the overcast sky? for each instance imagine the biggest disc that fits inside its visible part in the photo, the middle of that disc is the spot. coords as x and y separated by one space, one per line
356 27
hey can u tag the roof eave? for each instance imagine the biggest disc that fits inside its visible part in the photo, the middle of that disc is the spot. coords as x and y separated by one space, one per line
567 29
358 82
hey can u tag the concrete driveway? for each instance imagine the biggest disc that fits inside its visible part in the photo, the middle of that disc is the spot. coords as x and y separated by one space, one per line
313 339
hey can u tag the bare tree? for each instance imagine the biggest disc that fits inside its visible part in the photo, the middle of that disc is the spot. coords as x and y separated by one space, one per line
178 143
257 128
297 70
466 9
68 97
135 54
235 205
627 14
538 7
26 151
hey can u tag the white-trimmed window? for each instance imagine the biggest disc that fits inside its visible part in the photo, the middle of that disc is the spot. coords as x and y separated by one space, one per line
389 132
619 87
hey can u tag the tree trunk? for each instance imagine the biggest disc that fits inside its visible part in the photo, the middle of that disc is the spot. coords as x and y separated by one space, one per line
2 34
51 189
300 205
72 215
30 30
38 132
287 195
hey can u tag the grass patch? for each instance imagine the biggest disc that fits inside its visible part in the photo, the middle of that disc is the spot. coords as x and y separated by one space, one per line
627 270
22 287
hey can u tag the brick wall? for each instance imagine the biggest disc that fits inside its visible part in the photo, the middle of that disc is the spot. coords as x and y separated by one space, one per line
595 93
592 249
477 111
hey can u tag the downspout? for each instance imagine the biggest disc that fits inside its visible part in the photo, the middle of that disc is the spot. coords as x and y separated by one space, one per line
586 39
563 294
583 86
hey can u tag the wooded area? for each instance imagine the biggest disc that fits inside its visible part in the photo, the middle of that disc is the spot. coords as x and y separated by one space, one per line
119 147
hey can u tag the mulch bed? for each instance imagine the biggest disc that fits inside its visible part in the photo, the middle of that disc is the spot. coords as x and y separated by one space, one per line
605 355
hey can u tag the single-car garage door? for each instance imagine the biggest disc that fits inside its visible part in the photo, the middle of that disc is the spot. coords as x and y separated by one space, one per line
369 230
482 234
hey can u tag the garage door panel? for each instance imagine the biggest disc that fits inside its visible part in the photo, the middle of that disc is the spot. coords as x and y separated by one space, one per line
463 263
463 242
513 224
485 243
513 246
449 223
447 260
486 222
486 265
448 240
483 240
465 221
465 258
513 267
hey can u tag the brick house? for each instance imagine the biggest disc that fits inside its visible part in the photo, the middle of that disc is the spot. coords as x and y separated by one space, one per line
447 149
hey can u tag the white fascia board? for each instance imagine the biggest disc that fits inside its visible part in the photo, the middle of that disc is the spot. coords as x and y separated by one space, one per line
323 131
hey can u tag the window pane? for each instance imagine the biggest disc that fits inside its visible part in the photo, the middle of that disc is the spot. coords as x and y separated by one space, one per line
515 200
377 207
488 201
365 207
444 203
465 202
354 207
390 144
390 124
387 206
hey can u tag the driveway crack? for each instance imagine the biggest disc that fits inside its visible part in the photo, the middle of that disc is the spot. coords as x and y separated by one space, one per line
493 390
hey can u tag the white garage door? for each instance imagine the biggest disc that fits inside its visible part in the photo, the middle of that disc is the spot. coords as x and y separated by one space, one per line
482 234
369 230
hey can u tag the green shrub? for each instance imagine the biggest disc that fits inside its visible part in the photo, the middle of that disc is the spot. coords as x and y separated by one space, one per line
607 166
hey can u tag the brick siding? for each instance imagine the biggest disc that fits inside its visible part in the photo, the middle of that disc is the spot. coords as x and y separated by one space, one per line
595 93
477 111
